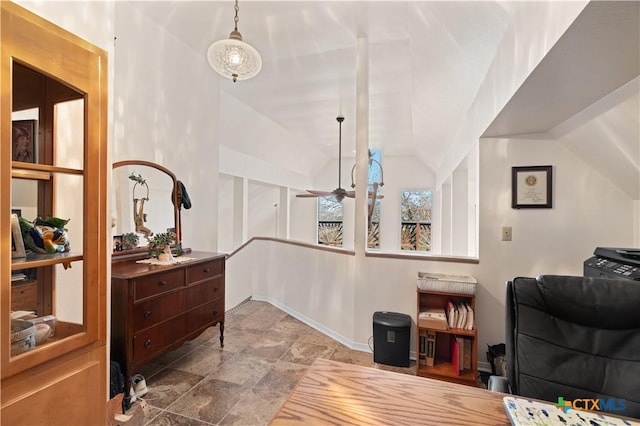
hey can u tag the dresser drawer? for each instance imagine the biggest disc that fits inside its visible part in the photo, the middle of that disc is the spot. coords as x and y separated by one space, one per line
205 292
148 343
205 315
204 270
158 283
150 312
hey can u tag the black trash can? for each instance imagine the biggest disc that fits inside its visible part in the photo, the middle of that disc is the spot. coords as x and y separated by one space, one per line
391 336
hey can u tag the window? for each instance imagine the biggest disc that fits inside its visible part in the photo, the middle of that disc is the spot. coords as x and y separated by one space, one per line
330 211
329 222
373 237
373 223
415 217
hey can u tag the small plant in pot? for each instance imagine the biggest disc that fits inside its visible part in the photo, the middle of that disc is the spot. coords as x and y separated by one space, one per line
130 241
160 245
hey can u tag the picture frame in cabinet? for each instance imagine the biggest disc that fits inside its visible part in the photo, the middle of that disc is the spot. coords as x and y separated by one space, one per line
23 135
17 244
117 243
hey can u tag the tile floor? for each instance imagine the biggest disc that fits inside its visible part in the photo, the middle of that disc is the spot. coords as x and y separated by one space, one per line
266 352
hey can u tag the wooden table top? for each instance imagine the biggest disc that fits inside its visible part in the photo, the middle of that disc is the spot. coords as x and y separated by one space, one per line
334 393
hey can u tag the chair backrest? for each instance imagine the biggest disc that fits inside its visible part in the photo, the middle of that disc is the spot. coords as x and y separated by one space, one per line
575 338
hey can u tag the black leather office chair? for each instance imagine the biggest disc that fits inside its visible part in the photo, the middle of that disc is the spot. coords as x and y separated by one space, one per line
573 337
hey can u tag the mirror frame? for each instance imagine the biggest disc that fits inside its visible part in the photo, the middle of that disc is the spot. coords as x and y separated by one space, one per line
176 201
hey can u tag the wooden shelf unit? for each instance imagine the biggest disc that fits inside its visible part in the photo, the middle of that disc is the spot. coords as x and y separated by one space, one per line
443 368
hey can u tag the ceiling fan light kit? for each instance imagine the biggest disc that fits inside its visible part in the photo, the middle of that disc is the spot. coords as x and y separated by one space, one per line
233 58
340 193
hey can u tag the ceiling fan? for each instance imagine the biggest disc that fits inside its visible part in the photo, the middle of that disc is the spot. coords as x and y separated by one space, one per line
340 193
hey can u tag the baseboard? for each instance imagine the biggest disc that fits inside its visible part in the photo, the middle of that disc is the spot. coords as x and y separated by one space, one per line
316 325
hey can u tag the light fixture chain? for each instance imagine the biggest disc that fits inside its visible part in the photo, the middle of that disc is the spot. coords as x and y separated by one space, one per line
236 19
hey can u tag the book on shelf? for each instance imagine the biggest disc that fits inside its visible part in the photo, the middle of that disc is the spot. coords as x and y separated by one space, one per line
455 355
452 318
431 348
460 341
422 358
469 323
462 315
467 353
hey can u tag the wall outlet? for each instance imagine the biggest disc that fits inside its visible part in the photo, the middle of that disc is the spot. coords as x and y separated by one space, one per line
506 233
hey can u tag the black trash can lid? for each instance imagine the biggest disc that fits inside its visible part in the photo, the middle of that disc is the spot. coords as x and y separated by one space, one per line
391 319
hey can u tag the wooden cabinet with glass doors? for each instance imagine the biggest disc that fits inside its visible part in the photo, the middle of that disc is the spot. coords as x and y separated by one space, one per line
52 165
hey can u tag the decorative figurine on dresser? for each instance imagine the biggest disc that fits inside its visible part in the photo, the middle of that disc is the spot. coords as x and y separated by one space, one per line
161 295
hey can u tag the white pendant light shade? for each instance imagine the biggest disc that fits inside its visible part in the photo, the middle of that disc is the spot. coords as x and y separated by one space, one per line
234 59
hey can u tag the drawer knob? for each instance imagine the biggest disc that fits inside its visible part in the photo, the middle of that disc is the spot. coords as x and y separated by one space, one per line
147 314
162 283
215 312
215 289
147 344
207 270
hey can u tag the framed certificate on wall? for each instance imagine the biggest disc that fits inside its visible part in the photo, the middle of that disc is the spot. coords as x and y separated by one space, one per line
531 187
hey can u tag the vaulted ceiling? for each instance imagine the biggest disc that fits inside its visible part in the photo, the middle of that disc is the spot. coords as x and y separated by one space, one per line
427 60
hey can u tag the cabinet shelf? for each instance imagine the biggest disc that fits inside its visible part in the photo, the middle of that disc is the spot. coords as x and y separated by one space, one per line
23 170
38 260
454 331
444 371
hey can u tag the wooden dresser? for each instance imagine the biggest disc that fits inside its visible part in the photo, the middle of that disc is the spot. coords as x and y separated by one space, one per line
155 309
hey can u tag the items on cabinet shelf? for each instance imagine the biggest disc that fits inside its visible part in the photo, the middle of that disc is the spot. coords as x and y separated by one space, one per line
433 318
431 348
459 315
458 284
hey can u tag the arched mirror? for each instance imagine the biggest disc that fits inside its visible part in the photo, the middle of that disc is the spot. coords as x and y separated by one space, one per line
145 202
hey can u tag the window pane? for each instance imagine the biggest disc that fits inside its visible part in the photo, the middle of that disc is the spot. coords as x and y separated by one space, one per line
415 214
329 222
373 239
374 176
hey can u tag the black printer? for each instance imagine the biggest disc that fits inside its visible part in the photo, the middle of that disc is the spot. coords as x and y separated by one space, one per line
614 263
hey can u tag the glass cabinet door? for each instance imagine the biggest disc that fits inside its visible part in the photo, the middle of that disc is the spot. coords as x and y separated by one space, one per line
53 167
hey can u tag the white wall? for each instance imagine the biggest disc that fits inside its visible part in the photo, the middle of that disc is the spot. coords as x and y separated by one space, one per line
536 26
263 212
79 18
165 110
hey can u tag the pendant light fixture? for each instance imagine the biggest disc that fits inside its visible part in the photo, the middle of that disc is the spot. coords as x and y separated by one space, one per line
233 58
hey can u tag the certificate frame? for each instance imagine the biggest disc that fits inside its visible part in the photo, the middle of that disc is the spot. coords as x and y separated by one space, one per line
531 187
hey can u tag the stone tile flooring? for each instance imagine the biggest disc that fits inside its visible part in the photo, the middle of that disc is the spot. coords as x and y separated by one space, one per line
266 352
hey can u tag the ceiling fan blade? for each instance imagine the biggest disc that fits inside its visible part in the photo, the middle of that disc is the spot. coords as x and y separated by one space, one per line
352 194
320 193
307 195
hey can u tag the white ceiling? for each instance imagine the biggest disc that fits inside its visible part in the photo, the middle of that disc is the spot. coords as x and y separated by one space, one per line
426 59
426 62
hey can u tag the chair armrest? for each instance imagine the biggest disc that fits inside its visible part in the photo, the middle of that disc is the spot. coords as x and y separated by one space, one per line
498 384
